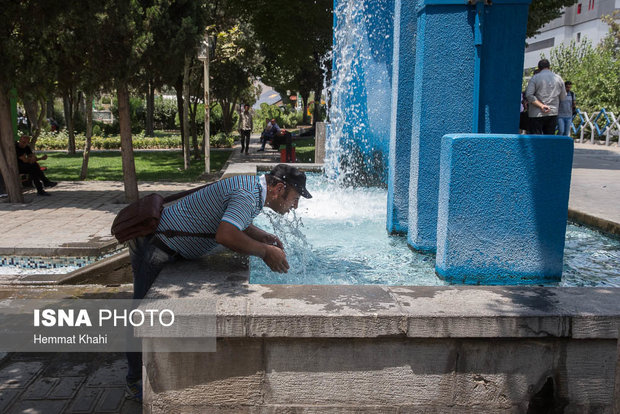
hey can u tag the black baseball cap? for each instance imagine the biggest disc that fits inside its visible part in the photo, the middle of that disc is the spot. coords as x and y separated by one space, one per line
293 177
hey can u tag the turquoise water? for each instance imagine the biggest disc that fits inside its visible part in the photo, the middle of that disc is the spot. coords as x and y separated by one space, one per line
339 237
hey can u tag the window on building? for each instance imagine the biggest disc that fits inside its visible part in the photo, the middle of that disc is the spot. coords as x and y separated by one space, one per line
579 8
591 5
579 36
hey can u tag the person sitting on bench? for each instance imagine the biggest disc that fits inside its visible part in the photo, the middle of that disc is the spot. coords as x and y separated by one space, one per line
27 164
269 133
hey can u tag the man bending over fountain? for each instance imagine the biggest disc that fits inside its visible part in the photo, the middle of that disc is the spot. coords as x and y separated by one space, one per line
221 213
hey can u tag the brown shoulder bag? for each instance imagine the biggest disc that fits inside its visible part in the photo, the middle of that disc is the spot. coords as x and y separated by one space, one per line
141 217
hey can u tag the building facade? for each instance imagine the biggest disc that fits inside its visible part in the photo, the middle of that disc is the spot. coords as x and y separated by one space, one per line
580 21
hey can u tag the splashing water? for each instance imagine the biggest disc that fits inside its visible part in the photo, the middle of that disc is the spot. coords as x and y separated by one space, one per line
357 145
339 237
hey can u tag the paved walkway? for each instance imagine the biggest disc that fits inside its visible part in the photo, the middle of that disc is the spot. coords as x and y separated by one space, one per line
80 214
595 186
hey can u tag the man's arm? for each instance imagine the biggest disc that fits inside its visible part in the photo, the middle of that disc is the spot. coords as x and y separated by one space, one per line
532 99
262 236
236 240
529 91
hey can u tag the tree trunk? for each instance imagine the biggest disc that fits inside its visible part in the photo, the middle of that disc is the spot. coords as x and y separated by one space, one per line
193 108
35 110
129 167
317 103
227 114
68 103
89 135
8 156
305 96
50 108
179 88
185 121
150 109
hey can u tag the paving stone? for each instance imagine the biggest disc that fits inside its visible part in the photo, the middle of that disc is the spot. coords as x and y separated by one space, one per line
7 396
38 407
111 400
66 388
109 374
85 400
19 374
131 407
40 388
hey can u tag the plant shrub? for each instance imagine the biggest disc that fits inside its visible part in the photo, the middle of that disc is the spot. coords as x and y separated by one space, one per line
221 140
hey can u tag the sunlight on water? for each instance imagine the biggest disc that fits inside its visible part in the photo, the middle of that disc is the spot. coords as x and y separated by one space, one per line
339 237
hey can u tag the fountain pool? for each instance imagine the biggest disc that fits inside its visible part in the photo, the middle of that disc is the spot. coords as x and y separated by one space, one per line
338 237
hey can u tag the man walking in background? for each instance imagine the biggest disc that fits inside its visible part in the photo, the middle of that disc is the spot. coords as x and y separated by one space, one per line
568 108
544 93
245 128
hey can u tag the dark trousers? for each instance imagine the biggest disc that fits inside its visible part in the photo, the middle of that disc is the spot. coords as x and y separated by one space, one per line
147 261
35 173
245 140
544 125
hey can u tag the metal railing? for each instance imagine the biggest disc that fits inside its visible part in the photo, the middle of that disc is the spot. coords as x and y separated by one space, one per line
601 124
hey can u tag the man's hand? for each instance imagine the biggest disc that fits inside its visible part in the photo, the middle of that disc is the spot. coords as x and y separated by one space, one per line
263 237
545 108
275 258
273 240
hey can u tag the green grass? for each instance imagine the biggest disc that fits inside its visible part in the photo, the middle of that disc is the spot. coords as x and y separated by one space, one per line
304 150
150 166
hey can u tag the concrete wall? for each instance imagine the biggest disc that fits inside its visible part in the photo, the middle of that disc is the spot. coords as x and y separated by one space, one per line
383 375
317 349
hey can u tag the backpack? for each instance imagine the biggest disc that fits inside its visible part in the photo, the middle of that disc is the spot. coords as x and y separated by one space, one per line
141 217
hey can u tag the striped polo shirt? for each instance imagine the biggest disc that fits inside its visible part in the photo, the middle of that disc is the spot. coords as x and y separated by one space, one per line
236 200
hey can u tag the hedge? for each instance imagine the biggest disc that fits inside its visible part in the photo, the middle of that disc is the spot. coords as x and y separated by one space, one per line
59 141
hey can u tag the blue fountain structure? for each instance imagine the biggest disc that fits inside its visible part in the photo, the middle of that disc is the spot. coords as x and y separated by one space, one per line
503 203
456 69
469 61
403 71
361 91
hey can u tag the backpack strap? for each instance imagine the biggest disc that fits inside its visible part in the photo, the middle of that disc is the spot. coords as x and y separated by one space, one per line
177 233
182 194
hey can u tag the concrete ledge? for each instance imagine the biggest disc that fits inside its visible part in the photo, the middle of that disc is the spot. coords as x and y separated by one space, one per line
362 348
367 311
76 249
606 226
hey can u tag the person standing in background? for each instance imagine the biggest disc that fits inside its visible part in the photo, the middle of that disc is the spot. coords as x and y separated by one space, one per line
568 108
245 128
544 92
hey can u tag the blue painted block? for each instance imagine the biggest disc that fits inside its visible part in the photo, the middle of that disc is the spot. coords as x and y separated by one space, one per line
467 79
503 205
403 69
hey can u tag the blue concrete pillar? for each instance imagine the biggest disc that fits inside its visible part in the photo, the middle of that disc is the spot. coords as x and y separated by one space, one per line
361 90
468 69
503 205
403 70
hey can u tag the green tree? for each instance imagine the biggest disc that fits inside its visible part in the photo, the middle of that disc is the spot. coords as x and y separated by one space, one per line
27 66
125 36
236 65
295 36
543 11
593 70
